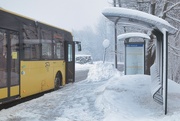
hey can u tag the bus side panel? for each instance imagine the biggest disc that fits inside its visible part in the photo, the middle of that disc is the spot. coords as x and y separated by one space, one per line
13 92
39 76
3 93
36 77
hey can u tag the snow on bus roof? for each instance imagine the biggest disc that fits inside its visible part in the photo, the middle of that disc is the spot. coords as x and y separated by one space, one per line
124 15
132 34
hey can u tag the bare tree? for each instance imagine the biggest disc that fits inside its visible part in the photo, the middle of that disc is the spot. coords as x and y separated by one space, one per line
170 11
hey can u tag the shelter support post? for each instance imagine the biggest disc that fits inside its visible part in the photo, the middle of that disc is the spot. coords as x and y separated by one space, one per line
115 37
165 69
161 62
115 47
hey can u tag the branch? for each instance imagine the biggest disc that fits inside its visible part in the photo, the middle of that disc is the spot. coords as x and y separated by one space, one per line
119 2
175 19
176 38
178 3
174 54
170 2
152 7
173 48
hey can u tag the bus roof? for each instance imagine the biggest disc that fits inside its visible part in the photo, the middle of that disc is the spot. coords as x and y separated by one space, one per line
25 17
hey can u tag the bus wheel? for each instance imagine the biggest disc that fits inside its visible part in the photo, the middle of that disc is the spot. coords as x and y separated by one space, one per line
57 81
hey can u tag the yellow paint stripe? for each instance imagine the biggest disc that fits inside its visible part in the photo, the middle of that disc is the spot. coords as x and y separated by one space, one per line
3 93
14 90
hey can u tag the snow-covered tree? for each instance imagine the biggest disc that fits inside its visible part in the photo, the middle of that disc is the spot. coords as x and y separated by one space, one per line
91 41
170 11
87 37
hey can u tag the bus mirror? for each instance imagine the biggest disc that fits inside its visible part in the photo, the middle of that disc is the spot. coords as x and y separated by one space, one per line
79 46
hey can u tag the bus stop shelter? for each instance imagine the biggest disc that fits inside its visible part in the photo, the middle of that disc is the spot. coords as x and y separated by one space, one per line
161 29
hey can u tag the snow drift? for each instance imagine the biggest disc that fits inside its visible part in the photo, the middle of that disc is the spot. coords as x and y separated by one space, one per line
128 98
101 71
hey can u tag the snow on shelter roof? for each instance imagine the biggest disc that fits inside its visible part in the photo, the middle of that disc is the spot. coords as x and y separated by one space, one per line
135 17
133 34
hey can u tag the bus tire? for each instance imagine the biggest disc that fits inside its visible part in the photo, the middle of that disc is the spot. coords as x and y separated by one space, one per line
57 81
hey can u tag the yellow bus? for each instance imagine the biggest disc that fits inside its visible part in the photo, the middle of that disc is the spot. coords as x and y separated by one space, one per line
34 57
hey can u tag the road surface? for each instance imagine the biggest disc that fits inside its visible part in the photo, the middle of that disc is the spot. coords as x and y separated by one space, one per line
81 75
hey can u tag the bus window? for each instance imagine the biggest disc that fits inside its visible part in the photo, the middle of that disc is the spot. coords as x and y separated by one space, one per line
31 49
15 59
58 46
57 50
46 44
70 56
46 49
31 43
3 58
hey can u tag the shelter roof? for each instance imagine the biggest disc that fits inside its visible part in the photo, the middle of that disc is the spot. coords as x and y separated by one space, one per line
133 34
140 19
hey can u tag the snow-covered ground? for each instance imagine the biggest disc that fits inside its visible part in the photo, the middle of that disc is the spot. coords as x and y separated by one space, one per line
105 95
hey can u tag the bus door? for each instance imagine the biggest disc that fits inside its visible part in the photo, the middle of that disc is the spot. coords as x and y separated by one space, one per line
9 65
70 61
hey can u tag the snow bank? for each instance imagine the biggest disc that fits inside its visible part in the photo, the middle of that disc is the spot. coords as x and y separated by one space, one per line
129 98
124 95
101 71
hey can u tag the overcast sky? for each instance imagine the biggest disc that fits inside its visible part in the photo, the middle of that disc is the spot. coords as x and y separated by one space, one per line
67 14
